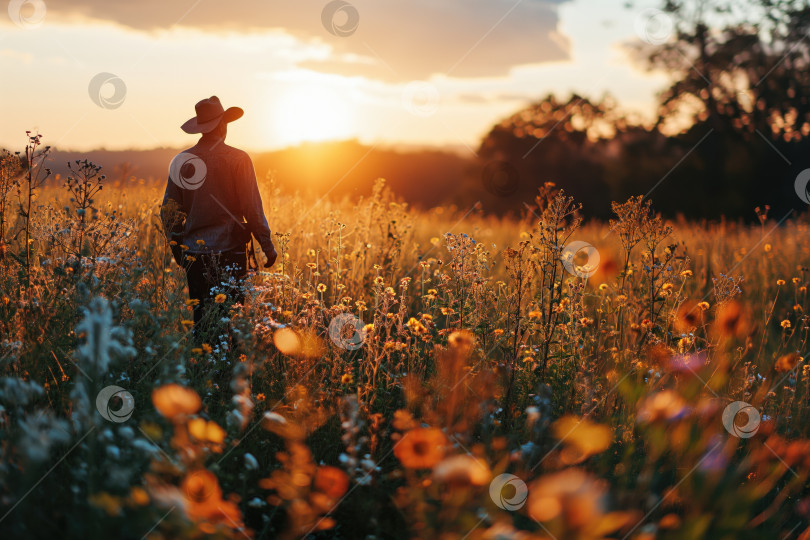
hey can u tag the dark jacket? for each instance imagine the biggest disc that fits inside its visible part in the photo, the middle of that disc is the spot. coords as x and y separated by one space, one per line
216 200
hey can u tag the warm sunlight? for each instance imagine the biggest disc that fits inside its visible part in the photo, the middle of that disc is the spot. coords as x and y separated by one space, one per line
311 113
457 269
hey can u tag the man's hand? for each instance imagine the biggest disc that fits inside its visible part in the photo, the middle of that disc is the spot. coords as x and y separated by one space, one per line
271 258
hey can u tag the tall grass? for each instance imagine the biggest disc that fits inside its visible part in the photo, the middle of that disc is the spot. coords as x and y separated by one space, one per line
480 350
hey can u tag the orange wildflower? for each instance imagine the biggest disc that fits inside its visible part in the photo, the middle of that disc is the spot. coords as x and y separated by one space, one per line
331 481
206 431
462 470
688 317
730 320
173 401
787 362
204 500
421 448
570 492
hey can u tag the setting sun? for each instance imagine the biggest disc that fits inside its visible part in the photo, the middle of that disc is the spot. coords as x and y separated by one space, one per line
311 113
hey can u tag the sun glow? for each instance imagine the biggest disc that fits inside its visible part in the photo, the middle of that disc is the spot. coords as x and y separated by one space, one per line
311 113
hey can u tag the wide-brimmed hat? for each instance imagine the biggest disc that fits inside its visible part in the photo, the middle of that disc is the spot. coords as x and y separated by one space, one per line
209 114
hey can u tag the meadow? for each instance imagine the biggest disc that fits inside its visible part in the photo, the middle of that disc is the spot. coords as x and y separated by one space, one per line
435 374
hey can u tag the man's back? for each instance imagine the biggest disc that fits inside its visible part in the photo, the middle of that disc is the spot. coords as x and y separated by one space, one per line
215 187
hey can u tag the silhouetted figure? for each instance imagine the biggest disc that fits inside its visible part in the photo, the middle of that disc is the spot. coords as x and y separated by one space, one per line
210 210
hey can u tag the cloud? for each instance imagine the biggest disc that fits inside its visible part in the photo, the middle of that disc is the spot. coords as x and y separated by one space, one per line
394 40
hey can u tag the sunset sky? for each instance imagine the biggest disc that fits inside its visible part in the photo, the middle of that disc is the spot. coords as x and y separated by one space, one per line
415 72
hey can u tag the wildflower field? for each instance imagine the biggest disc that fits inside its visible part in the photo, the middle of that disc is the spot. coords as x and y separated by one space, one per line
400 373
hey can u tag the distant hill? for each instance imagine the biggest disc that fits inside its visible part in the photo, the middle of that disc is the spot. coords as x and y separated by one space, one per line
423 177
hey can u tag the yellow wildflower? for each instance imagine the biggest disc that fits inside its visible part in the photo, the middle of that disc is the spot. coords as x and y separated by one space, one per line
416 326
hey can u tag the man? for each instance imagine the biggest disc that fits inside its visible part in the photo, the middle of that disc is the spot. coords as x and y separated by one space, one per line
210 210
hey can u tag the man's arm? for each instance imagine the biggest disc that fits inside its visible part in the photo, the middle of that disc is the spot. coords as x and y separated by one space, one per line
253 209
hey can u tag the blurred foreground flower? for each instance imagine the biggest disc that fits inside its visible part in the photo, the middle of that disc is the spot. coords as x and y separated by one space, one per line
174 401
576 502
571 493
787 362
688 316
204 502
463 340
730 320
463 471
305 343
331 481
206 432
582 437
664 405
421 448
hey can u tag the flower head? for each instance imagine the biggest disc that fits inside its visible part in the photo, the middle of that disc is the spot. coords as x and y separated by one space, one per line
421 448
174 401
331 481
462 470
787 362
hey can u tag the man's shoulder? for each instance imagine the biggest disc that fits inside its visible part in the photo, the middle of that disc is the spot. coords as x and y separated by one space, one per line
220 148
235 153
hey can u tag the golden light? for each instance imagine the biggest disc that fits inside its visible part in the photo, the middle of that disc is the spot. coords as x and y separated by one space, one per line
311 113
287 341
